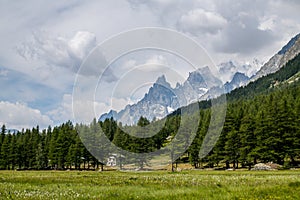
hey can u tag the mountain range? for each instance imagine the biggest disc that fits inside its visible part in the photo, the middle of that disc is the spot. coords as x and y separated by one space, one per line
162 99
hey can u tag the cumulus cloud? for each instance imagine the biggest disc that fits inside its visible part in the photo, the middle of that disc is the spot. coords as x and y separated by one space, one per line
157 59
77 109
63 111
245 29
20 87
59 51
81 44
243 35
78 54
227 29
18 115
156 63
200 21
129 64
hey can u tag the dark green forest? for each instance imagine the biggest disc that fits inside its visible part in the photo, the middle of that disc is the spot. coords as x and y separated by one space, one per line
262 125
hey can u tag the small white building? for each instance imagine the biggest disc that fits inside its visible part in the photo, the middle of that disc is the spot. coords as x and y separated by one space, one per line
111 161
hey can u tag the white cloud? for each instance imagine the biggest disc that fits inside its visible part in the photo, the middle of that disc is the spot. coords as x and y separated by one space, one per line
254 29
199 21
18 115
157 59
228 30
117 104
129 64
243 36
59 51
64 111
156 63
81 44
79 110
268 22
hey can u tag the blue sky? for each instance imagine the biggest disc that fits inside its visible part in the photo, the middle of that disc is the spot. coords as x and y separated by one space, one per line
43 44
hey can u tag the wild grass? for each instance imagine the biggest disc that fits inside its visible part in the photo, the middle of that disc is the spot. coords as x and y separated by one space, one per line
149 185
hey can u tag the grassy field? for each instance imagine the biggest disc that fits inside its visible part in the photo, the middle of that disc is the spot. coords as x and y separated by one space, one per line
149 185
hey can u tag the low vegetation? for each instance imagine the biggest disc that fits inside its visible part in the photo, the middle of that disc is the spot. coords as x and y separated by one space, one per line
193 184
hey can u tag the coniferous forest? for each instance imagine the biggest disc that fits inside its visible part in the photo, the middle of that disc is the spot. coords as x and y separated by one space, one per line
262 125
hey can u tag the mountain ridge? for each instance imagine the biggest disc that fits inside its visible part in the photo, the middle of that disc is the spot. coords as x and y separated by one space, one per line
288 52
161 99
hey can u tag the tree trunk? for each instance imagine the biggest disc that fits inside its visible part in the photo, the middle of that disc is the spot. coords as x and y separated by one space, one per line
249 166
172 166
227 165
293 162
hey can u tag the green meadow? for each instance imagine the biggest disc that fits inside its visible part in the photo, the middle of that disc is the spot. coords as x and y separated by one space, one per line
192 184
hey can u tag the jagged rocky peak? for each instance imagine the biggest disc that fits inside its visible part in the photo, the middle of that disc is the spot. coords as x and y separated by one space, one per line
239 79
111 114
162 82
227 66
201 76
228 69
161 79
204 70
160 93
238 76
195 76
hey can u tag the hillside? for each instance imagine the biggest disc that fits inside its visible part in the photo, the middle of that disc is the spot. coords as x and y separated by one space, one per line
287 53
267 83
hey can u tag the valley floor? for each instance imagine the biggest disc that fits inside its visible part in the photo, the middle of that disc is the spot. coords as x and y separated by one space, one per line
190 184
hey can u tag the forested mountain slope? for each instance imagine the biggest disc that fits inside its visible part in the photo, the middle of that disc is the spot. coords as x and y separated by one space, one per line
267 83
263 85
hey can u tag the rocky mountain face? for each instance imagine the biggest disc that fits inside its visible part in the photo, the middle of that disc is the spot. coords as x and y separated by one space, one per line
111 114
162 99
288 52
229 69
157 103
239 79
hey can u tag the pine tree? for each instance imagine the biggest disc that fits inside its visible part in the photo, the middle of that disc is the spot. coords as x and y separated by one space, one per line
5 152
2 134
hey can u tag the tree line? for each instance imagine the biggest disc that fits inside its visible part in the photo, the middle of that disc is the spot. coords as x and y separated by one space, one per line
53 148
265 128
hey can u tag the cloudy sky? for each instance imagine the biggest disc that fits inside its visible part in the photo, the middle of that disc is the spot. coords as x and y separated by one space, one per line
43 44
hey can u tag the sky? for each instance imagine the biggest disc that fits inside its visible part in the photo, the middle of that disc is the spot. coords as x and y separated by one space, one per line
44 43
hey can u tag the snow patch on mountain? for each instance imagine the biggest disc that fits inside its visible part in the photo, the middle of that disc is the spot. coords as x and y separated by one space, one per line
228 69
162 99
